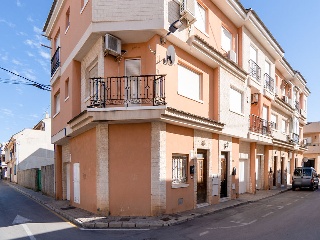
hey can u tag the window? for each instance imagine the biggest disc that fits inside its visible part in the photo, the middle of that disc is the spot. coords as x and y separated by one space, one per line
179 169
189 83
273 121
226 40
92 72
66 89
57 103
235 100
201 17
67 19
283 126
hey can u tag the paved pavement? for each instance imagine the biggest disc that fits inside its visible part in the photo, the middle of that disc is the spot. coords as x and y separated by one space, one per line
86 219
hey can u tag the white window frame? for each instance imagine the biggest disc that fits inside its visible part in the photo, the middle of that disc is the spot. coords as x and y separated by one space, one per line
283 126
226 39
179 169
234 100
201 16
189 83
56 103
274 119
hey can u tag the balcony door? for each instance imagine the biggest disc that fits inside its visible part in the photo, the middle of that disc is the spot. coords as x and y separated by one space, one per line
132 82
265 120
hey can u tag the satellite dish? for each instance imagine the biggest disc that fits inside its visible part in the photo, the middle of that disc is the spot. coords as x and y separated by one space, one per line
171 55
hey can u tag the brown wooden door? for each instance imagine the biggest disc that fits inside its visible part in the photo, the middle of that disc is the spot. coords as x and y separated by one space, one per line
224 175
201 178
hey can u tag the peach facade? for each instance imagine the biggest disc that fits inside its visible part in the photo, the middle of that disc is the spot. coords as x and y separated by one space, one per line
154 122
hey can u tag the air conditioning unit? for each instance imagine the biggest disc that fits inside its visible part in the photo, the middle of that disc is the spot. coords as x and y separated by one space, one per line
254 98
112 45
188 10
232 56
285 99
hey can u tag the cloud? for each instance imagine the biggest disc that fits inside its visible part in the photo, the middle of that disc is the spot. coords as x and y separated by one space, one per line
30 54
45 55
16 62
31 43
34 115
30 19
10 24
37 30
21 34
4 57
7 112
19 3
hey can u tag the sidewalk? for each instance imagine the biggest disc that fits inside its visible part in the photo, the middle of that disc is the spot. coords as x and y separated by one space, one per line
86 219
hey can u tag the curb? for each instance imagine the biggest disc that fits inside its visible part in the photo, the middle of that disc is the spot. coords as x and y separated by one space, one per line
139 224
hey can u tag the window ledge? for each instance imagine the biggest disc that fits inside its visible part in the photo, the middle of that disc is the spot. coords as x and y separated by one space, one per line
67 29
179 185
241 114
82 9
56 114
66 98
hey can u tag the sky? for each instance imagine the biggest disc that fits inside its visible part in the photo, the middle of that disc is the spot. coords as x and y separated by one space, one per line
23 106
294 24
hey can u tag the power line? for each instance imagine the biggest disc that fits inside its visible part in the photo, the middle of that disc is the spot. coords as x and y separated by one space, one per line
30 82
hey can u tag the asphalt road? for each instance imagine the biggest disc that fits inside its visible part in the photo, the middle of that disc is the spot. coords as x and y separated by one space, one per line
290 215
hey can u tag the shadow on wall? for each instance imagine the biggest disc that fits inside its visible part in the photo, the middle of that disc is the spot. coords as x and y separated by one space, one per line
41 157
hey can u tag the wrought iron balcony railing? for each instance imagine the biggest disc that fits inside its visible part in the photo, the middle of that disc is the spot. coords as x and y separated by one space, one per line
297 105
259 125
295 138
254 70
127 91
269 82
55 61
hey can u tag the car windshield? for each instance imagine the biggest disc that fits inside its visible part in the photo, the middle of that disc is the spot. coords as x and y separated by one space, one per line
302 172
297 172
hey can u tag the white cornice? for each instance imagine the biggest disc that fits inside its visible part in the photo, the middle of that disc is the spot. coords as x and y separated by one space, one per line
54 16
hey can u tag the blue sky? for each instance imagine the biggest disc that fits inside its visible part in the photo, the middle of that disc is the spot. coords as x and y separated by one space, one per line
295 26
293 23
21 24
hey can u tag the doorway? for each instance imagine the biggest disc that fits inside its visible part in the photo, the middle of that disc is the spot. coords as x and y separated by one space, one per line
275 167
201 176
224 175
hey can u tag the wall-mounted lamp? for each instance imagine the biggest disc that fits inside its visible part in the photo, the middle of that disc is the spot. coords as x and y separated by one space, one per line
172 28
226 145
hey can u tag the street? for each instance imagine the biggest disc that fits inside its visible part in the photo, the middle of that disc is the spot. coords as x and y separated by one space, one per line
290 215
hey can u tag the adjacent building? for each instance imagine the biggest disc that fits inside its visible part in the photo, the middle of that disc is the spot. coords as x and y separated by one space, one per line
311 141
164 106
29 148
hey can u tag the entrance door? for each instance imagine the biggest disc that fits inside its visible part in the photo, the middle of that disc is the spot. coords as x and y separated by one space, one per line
224 175
243 175
275 167
68 180
202 177
258 172
76 182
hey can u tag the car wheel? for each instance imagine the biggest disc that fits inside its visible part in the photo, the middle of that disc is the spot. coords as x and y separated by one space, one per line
293 188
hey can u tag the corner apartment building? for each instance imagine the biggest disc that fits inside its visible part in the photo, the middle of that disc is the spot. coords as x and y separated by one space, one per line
164 106
311 134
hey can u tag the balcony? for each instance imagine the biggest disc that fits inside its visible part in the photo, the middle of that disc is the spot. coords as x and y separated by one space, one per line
268 86
255 74
260 130
297 106
127 91
55 61
259 125
294 138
